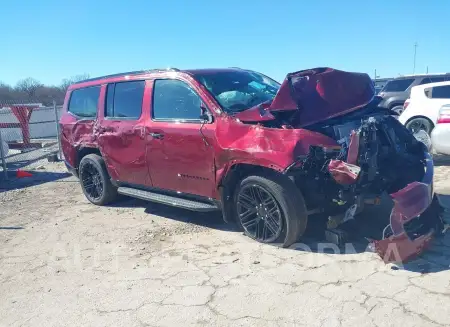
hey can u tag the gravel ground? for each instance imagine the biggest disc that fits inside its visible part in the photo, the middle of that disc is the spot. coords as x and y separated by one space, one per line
65 262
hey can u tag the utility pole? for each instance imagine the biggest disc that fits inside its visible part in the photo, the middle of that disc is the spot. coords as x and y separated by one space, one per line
415 52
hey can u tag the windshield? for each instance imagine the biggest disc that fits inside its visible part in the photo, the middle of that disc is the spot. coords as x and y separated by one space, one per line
239 90
398 85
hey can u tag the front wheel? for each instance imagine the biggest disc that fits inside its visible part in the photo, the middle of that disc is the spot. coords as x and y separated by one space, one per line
95 181
417 124
270 209
397 109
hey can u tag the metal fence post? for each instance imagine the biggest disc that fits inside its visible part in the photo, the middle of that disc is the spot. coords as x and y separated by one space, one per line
57 130
3 156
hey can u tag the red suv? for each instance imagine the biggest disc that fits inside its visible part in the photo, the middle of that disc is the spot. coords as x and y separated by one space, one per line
269 155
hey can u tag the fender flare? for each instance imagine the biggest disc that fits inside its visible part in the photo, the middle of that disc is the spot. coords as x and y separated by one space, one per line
221 174
228 177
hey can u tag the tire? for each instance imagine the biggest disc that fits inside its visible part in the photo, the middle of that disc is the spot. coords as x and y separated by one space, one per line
291 212
397 109
420 123
93 165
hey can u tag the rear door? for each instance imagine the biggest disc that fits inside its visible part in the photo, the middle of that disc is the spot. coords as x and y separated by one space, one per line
121 131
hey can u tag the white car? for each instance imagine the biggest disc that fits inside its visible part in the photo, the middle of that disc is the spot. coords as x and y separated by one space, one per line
421 110
440 136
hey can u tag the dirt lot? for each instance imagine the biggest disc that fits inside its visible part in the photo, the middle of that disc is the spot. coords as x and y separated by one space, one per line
65 262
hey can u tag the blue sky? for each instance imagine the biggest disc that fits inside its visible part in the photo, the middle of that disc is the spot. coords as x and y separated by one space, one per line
50 40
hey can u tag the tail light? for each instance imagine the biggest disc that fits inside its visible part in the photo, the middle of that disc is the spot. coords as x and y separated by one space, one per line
444 115
406 104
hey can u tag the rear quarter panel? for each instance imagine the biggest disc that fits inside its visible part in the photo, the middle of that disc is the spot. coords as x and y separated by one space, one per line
75 133
440 138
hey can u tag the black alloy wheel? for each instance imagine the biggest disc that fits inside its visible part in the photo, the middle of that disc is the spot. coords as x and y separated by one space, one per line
259 213
92 182
418 124
95 181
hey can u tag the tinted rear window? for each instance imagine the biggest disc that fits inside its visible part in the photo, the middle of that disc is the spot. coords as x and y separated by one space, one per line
435 79
83 102
124 100
398 85
441 92
439 79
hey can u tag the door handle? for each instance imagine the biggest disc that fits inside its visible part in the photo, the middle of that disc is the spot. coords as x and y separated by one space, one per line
139 130
156 135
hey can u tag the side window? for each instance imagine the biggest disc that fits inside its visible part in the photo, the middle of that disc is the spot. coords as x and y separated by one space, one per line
124 99
83 102
175 100
441 92
426 80
438 79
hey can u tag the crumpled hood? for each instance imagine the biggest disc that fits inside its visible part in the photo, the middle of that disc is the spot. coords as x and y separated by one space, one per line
319 94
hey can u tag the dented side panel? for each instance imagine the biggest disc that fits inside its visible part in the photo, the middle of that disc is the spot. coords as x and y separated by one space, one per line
75 133
273 148
123 144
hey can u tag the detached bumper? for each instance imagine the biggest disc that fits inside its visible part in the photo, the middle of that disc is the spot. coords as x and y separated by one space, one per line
411 227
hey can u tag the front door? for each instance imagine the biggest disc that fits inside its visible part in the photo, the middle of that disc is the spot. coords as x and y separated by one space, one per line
122 134
180 153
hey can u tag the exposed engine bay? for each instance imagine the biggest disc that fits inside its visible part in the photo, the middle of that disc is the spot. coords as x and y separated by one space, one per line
371 154
376 155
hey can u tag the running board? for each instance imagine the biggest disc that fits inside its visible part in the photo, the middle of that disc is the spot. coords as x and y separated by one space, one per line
167 199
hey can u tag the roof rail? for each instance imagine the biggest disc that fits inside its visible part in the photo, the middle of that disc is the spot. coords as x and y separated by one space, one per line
418 75
133 73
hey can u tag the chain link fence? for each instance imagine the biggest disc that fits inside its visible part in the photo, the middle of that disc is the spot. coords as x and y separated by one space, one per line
28 134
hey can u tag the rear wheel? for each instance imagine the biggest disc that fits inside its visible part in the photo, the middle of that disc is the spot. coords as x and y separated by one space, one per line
417 124
95 181
270 209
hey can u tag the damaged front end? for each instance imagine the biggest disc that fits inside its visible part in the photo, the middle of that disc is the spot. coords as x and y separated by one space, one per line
374 155
377 155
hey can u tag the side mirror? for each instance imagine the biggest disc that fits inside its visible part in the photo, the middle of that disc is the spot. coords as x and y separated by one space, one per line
205 115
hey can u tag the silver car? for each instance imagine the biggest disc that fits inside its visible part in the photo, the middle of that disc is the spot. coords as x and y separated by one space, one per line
440 136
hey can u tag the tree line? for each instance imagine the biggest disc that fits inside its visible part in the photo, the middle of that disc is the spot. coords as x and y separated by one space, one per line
30 90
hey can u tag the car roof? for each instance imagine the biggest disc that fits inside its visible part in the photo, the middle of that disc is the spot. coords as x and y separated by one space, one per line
138 73
420 76
428 85
207 71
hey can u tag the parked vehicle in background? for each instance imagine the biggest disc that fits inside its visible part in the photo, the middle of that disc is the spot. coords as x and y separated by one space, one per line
440 136
396 91
379 84
421 110
269 156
